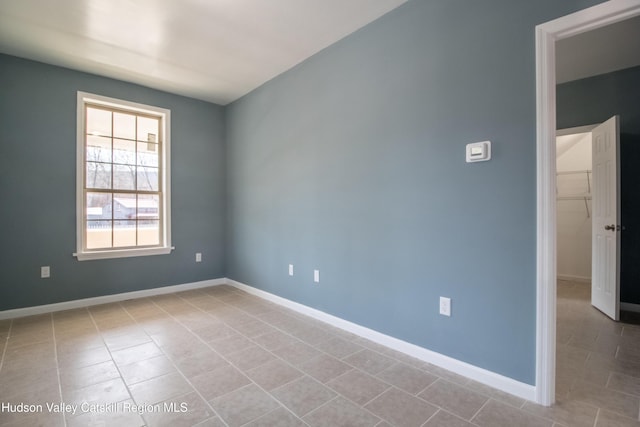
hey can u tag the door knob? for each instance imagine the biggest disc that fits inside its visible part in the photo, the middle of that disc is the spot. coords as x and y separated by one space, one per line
610 227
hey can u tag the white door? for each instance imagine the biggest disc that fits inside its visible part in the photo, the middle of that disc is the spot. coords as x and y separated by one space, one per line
605 277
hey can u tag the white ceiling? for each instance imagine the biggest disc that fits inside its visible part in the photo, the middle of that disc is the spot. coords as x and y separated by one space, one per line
215 50
611 48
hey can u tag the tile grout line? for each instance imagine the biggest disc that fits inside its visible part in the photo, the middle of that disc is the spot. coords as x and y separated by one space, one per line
395 362
232 364
273 410
545 417
373 398
189 329
488 397
480 410
459 417
225 358
55 355
342 360
322 406
6 344
338 394
173 363
523 405
364 347
306 374
606 384
604 327
439 377
236 304
429 386
114 361
99 331
238 307
450 413
432 416
365 373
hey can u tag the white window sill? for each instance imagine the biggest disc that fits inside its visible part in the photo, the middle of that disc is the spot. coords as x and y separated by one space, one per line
123 253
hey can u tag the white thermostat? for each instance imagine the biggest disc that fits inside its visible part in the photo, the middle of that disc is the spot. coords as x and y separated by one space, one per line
479 151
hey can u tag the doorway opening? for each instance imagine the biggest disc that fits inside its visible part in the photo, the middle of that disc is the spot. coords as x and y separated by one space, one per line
588 212
574 195
546 255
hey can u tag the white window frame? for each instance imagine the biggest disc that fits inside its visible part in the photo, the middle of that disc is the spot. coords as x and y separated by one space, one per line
164 247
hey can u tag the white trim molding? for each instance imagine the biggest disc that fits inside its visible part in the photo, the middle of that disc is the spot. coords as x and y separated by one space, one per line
481 375
547 34
105 299
164 115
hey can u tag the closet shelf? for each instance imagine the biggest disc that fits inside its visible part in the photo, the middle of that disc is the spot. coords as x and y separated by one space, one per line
580 196
575 197
586 171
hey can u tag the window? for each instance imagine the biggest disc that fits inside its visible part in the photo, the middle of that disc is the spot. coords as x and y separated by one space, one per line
123 199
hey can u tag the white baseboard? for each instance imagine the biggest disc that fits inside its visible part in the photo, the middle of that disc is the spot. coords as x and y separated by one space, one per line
627 306
581 279
87 302
506 384
500 382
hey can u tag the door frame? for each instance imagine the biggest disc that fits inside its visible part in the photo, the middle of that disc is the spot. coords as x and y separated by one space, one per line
546 36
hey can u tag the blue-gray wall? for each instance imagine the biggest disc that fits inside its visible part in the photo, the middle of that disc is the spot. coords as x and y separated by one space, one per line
594 100
353 163
38 184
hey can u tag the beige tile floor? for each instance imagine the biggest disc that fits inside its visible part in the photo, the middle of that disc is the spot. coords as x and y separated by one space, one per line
231 359
598 363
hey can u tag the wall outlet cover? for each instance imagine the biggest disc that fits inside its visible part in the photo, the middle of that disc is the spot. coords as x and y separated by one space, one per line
445 306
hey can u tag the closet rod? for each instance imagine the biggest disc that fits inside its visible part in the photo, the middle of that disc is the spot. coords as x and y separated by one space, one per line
585 198
573 172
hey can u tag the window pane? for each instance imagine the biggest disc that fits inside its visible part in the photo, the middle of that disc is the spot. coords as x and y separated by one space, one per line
124 233
147 154
98 175
147 179
124 206
98 234
98 206
98 149
124 177
148 129
98 122
148 232
124 152
124 125
148 205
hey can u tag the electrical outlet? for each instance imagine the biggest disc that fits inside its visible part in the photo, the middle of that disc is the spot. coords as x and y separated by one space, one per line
445 306
45 272
316 276
198 257
290 269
